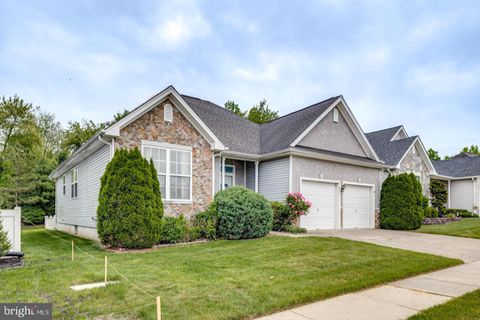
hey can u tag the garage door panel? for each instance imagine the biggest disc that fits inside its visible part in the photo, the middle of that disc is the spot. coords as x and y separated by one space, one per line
357 207
323 197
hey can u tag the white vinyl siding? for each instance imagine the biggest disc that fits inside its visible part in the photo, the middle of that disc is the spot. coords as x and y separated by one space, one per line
273 179
82 210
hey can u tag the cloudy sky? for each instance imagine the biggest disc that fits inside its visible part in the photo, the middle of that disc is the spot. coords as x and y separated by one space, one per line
395 62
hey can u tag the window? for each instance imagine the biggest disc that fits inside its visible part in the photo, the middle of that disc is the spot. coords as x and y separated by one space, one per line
229 176
64 184
335 115
74 185
174 169
168 113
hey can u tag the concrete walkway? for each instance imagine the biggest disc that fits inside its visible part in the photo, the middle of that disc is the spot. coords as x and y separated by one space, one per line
404 298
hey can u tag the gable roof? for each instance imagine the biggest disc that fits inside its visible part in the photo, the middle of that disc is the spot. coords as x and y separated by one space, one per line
236 133
458 167
464 154
392 152
226 131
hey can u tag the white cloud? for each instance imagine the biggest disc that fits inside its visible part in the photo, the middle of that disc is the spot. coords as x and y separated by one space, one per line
443 78
172 24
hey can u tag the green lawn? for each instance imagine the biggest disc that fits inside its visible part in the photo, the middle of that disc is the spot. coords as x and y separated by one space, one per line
469 228
215 280
466 307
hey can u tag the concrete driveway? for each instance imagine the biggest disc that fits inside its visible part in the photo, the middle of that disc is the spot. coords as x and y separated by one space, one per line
465 249
403 298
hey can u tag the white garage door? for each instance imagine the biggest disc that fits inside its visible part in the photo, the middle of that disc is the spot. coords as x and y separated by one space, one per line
461 194
323 211
357 207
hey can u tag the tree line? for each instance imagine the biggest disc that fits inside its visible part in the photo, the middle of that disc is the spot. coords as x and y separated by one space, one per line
32 143
434 155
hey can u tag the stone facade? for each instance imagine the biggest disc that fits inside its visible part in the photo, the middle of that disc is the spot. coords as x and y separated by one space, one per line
413 162
152 127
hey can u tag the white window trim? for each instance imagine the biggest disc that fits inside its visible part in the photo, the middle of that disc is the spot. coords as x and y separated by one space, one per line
73 182
171 147
232 174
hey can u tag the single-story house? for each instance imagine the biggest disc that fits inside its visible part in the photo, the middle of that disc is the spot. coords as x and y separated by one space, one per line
199 148
461 174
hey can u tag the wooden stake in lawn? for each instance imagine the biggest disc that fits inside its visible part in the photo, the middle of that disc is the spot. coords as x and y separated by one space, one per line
106 270
159 309
73 251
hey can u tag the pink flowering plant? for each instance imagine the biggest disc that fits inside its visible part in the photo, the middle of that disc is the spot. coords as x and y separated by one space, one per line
297 203
285 213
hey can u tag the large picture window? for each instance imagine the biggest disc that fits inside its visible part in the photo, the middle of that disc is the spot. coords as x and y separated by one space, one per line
174 169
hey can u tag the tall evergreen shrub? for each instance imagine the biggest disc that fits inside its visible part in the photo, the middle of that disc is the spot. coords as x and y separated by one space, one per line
4 243
130 206
439 194
401 203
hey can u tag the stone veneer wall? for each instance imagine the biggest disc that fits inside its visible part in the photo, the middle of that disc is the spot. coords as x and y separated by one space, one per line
151 126
413 163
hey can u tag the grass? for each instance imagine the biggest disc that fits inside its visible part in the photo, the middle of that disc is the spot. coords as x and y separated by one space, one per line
468 228
215 280
465 307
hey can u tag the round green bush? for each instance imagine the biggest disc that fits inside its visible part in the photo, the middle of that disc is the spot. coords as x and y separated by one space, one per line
282 216
130 206
401 203
206 223
430 212
33 215
174 229
242 214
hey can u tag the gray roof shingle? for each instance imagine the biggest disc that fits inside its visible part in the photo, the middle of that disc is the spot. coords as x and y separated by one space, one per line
390 152
458 167
242 135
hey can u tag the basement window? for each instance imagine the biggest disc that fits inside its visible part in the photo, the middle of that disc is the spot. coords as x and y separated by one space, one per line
168 113
335 115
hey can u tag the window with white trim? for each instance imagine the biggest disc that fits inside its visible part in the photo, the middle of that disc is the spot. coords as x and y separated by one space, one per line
168 113
174 169
229 176
64 184
74 183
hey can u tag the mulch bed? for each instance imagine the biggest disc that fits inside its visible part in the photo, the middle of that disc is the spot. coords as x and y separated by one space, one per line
10 262
435 221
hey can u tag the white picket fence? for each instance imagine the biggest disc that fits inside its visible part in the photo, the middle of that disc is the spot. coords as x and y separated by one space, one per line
11 221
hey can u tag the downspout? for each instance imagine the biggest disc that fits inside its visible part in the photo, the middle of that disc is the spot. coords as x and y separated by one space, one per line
111 144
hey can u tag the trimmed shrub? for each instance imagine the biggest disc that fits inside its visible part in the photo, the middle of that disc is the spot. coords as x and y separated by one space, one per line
33 215
174 230
295 229
282 216
4 243
430 212
130 206
206 222
400 203
439 195
461 213
242 214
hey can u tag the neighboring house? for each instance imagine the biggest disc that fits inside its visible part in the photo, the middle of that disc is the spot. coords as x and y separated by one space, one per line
199 148
461 174
405 154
